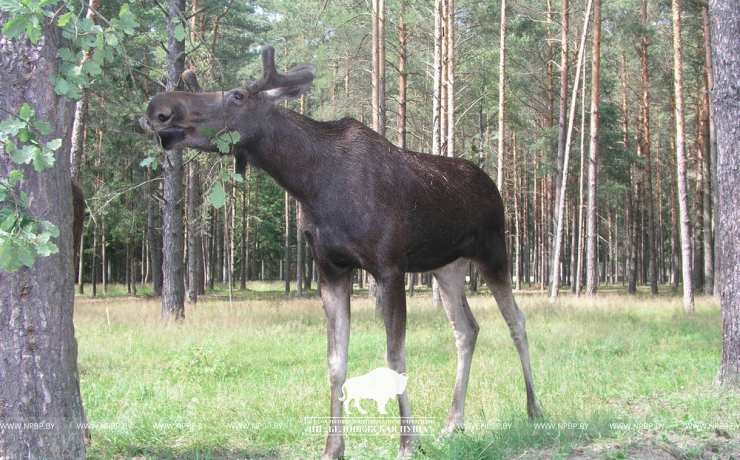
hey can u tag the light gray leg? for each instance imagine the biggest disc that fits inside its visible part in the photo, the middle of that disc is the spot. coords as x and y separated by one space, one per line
393 306
451 281
500 286
335 292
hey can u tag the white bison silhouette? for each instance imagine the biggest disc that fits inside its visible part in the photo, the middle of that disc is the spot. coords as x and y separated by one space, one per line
382 384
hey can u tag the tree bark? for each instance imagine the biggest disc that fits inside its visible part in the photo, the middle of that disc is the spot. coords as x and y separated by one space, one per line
646 149
39 380
592 275
286 267
563 116
501 99
683 206
193 231
173 235
725 28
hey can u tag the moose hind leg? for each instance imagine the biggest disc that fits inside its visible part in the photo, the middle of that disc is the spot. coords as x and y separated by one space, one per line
393 305
335 291
499 282
451 281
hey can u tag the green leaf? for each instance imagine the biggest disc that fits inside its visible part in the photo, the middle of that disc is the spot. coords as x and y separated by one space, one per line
43 127
14 177
27 112
92 68
149 162
65 18
13 7
217 197
179 32
15 27
61 87
12 126
33 30
236 177
25 154
67 55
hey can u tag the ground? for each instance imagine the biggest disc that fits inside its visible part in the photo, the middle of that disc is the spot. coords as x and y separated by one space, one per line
619 377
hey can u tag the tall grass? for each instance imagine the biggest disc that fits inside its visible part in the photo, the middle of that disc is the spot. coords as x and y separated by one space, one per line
239 381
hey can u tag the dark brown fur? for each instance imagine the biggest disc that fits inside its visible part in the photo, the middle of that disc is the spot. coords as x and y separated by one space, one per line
367 204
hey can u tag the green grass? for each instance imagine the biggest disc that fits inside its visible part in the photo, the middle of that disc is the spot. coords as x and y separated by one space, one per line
261 363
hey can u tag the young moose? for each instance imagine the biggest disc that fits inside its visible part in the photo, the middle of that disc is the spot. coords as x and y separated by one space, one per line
367 204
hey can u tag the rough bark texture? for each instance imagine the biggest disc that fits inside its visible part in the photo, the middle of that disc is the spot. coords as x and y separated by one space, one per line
725 25
39 383
173 234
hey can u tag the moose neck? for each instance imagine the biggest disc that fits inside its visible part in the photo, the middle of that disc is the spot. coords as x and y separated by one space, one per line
293 151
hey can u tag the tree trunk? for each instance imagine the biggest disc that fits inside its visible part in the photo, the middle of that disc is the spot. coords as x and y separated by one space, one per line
39 383
725 28
173 244
193 230
402 78
299 252
554 284
450 77
153 235
646 149
286 267
501 99
683 205
243 253
563 117
591 235
437 134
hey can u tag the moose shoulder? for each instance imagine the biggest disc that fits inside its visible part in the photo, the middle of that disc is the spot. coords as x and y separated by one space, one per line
367 204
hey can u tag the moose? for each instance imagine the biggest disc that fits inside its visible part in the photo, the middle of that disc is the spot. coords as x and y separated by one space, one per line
365 203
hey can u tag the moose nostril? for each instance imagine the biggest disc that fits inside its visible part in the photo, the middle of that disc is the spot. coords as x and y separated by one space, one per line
162 117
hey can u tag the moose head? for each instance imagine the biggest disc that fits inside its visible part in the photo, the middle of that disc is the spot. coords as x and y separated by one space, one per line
190 119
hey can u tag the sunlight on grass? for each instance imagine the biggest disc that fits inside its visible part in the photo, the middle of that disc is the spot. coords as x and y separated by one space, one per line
239 381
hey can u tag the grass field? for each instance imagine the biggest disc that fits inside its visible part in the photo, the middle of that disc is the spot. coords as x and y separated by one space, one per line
618 377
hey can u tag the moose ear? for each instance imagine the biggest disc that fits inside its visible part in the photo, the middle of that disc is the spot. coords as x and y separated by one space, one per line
277 95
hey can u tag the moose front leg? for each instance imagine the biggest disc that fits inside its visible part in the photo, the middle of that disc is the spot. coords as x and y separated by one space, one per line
393 305
335 292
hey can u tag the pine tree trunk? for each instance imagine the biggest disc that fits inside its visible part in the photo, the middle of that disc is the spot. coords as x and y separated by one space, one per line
193 192
591 235
501 99
173 234
683 205
725 28
39 380
646 148
563 117
299 252
560 205
153 235
286 267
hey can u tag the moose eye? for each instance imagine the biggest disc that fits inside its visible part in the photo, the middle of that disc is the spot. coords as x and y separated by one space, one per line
238 96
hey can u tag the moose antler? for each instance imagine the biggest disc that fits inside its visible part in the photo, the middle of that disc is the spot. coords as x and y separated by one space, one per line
271 79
